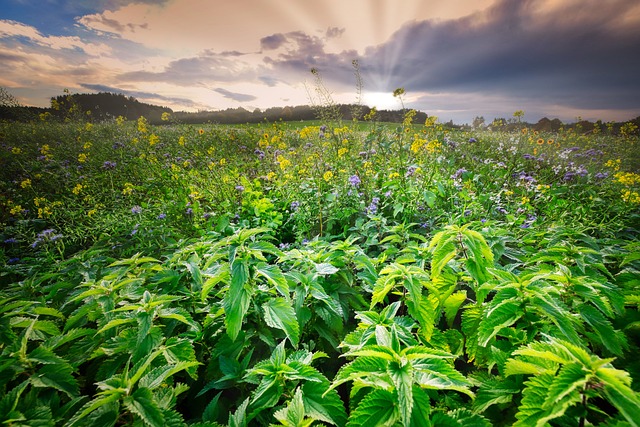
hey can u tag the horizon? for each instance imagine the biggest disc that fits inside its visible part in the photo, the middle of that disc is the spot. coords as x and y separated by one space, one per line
456 59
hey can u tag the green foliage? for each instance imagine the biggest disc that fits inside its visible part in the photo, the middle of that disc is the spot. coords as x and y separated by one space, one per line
354 274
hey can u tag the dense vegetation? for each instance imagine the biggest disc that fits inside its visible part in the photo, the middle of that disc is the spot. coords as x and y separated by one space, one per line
339 274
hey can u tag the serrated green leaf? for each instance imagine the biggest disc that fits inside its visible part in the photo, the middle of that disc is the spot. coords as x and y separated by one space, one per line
376 409
402 377
154 378
452 305
602 327
323 404
217 274
141 403
502 315
237 300
279 314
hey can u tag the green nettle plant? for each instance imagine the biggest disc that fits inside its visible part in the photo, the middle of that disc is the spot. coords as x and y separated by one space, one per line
324 273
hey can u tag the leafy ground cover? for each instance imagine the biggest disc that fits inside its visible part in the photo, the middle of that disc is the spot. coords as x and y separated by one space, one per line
332 274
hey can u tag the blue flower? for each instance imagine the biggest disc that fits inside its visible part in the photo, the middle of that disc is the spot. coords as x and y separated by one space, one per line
354 180
136 209
240 188
162 216
294 205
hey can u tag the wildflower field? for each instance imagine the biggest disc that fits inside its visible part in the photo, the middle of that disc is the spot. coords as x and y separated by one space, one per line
330 273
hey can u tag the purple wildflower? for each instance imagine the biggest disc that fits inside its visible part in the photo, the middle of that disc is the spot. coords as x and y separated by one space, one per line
354 180
10 240
294 205
136 209
162 216
472 140
458 173
189 211
109 165
240 188
411 170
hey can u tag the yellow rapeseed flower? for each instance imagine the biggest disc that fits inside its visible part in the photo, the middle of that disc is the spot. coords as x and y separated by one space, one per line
15 210
165 116
631 197
614 164
25 183
223 161
153 139
327 176
88 127
82 158
77 189
271 175
16 150
120 120
181 141
143 125
625 178
128 189
87 145
342 152
91 212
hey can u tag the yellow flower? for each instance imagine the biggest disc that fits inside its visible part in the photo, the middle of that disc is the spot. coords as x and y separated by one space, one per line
77 189
16 210
91 212
271 175
120 120
142 125
39 200
16 150
87 145
284 163
88 126
128 189
223 161
342 152
26 183
625 178
181 141
327 176
631 197
45 149
200 131
394 175
540 141
165 116
550 141
82 157
153 139
614 164
524 200
508 193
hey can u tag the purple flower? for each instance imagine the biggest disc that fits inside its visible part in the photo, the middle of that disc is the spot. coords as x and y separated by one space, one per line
411 170
467 212
13 260
601 175
240 188
388 193
207 215
135 229
294 205
189 211
136 209
354 180
109 165
458 173
117 145
472 140
162 216
10 240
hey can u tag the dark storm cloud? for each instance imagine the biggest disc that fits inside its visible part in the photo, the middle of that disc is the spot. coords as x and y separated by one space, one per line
240 97
578 58
140 95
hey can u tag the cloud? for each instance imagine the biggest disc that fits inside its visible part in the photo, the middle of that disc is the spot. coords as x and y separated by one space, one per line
205 68
141 95
517 48
240 97
273 41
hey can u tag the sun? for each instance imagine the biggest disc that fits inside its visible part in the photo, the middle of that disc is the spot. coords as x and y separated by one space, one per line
382 100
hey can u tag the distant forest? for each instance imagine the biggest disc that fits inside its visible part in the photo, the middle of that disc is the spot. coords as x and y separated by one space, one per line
105 106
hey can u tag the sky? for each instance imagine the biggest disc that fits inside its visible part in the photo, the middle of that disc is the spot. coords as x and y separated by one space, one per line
456 59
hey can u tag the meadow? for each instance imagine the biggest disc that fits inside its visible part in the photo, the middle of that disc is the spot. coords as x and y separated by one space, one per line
328 273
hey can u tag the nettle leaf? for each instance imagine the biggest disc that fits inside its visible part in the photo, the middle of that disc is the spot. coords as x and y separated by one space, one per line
618 391
274 276
293 415
452 305
570 377
323 404
502 315
141 403
493 391
159 375
402 377
376 409
217 274
237 300
279 314
602 327
325 269
421 408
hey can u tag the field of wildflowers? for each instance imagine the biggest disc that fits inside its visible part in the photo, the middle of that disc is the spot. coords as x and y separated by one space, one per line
334 273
